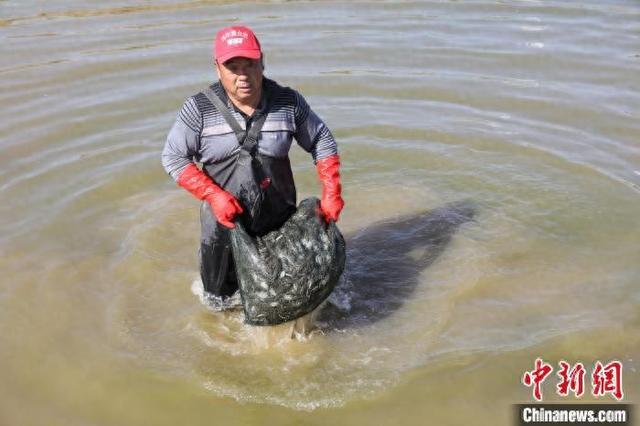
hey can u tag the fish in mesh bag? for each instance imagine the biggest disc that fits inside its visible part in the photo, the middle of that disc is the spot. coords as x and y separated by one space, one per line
288 272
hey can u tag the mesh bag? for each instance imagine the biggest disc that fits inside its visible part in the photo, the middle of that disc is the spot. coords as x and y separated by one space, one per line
288 272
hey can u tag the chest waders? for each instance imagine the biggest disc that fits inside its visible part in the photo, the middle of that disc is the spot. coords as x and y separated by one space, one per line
263 185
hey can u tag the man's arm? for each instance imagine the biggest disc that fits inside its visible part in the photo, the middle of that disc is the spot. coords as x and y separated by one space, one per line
314 136
177 159
183 140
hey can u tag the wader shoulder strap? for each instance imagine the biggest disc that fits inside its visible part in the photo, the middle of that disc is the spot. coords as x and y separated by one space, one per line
247 140
226 114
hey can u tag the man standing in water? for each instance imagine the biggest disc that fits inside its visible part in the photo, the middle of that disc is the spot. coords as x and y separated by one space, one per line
241 129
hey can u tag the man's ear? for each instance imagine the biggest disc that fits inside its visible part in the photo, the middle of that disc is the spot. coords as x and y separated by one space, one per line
262 61
215 62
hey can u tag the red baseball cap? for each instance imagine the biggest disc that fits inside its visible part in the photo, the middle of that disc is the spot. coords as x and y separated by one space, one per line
237 41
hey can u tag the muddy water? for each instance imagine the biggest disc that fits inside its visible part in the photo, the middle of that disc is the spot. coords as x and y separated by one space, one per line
492 181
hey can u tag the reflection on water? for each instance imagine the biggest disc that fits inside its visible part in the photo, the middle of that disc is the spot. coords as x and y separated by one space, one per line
384 262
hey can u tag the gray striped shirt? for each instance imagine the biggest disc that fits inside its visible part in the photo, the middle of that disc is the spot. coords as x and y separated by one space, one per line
201 134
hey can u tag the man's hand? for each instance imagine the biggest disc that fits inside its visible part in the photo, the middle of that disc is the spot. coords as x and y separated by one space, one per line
224 205
331 203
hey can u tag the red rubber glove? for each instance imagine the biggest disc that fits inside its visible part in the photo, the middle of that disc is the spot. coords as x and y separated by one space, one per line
224 205
328 171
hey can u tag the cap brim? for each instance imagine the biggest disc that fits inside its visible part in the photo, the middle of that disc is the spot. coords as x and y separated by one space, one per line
251 54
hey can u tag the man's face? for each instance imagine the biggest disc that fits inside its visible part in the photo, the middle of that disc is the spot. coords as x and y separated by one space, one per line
241 79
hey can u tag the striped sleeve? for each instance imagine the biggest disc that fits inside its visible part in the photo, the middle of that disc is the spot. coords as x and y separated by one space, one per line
312 134
183 141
